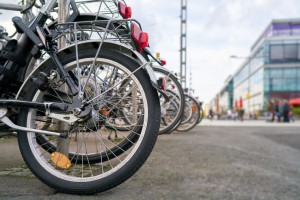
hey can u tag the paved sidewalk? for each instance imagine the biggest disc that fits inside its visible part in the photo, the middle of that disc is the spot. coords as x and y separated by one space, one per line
246 123
210 163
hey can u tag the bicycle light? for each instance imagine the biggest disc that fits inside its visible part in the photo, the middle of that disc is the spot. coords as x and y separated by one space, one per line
140 37
125 11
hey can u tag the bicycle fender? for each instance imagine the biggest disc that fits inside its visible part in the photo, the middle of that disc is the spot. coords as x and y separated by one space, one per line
149 68
85 45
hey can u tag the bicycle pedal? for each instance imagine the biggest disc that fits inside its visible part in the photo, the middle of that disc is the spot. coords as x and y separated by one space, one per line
61 160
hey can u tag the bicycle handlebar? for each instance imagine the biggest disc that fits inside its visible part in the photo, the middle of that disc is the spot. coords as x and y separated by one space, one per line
12 7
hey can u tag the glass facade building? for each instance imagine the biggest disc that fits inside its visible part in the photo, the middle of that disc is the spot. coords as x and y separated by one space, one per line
272 71
226 96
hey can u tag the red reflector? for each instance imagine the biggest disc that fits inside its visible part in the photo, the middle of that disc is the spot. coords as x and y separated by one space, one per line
128 12
163 62
140 37
173 87
124 10
143 40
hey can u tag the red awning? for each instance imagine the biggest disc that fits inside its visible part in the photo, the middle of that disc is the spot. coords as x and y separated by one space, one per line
241 102
294 101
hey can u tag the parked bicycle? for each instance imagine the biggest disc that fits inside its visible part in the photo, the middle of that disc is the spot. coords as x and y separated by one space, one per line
103 84
63 108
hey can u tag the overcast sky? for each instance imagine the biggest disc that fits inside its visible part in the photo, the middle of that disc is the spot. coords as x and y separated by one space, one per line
216 30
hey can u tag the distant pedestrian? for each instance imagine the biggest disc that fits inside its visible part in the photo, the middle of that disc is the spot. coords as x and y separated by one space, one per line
285 111
235 115
268 113
272 110
255 116
241 114
210 114
250 116
229 114
277 111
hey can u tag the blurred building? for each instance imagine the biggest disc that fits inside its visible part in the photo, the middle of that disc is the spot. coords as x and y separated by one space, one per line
226 96
271 71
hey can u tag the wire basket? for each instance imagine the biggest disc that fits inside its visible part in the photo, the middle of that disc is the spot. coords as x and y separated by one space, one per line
102 7
117 30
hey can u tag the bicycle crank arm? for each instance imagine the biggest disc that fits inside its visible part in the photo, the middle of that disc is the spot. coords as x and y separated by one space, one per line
9 123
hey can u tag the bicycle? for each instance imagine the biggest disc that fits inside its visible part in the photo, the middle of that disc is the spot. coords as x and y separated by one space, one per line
64 105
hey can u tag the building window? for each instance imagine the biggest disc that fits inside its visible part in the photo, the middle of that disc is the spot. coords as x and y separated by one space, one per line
290 73
296 30
281 79
276 73
290 84
291 52
257 61
276 84
242 75
276 52
284 53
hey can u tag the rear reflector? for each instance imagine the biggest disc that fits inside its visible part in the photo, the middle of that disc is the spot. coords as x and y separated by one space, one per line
140 37
125 11
163 62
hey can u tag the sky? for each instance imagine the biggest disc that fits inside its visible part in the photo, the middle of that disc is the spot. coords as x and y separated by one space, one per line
216 29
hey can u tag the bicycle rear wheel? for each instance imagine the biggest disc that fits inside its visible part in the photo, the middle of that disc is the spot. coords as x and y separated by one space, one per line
171 111
192 110
95 162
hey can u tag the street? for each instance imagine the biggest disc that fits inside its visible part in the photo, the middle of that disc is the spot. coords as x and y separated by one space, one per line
209 162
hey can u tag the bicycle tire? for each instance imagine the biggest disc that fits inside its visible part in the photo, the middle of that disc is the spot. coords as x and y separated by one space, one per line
193 121
179 94
66 183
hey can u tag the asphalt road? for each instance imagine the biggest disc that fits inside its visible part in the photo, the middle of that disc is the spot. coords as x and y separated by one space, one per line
206 163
